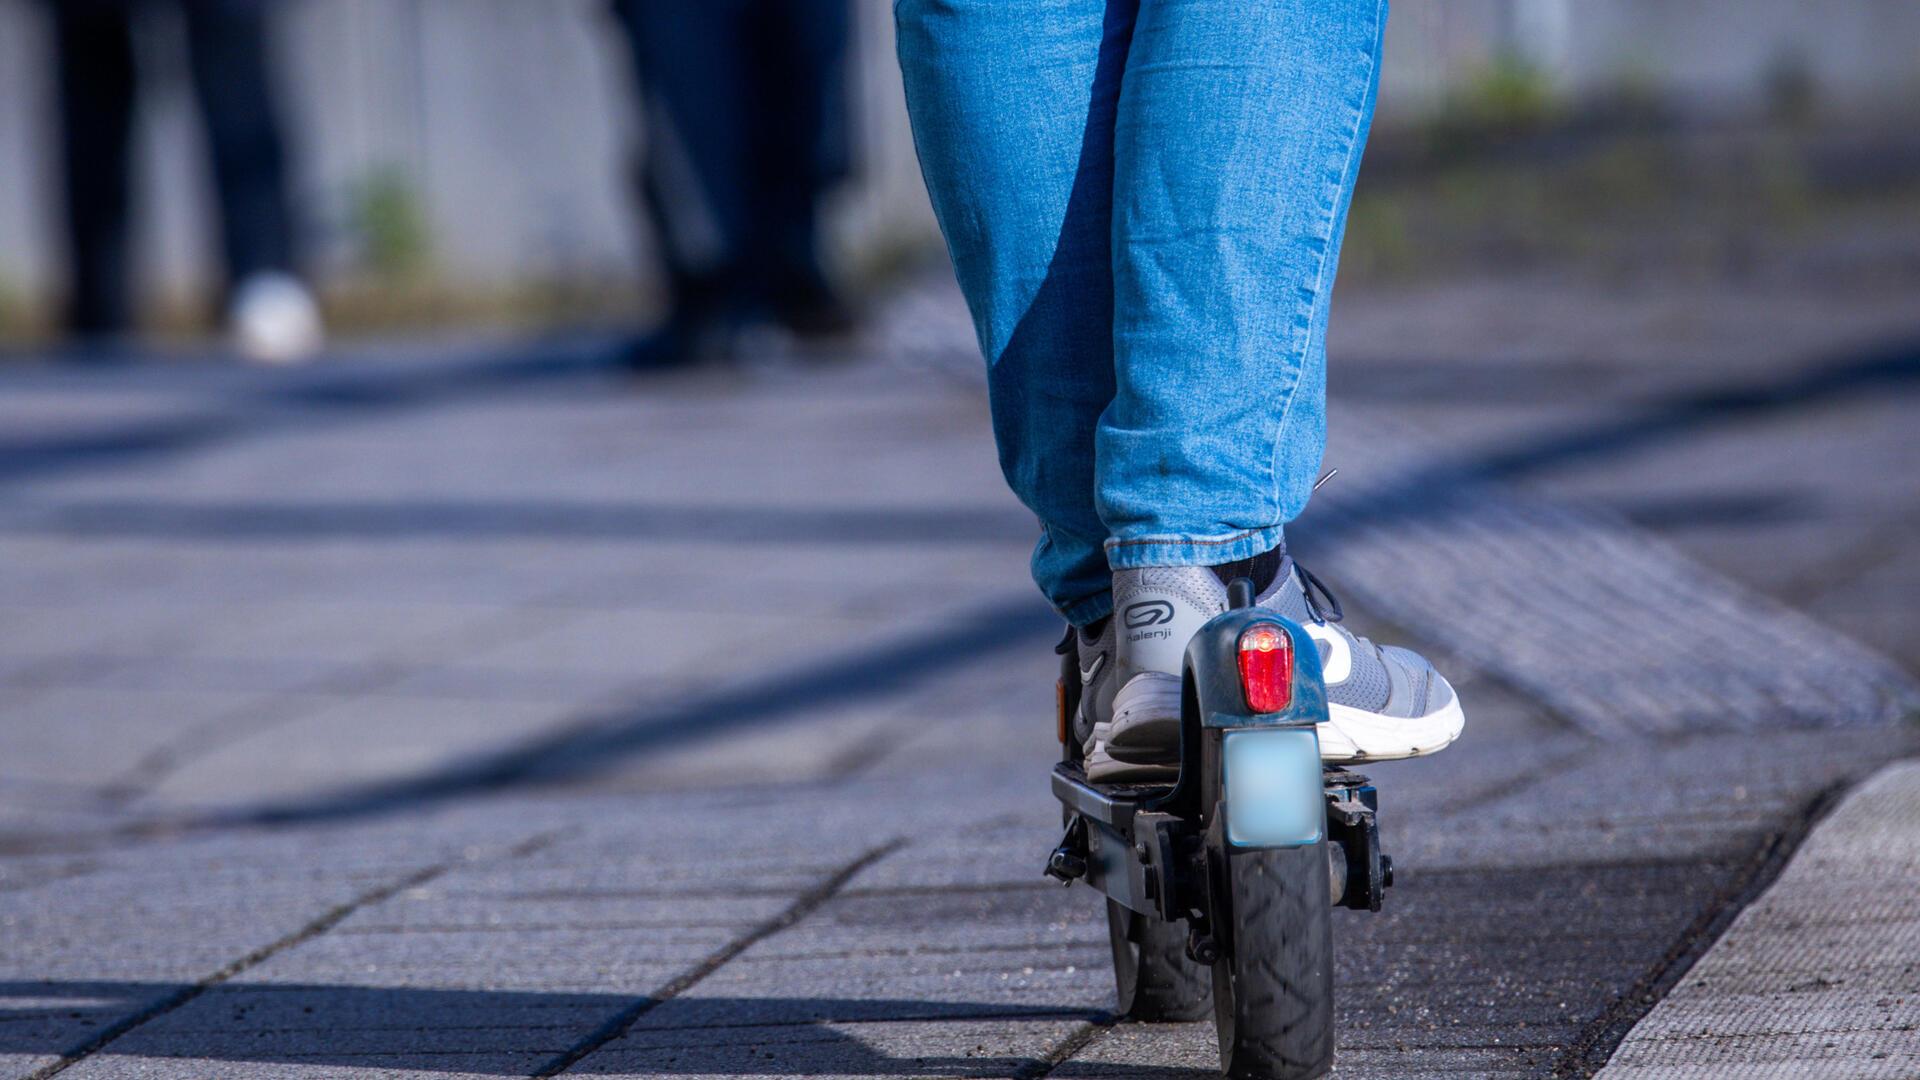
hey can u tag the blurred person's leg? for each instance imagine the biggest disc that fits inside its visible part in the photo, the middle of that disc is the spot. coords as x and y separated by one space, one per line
270 312
228 44
691 60
93 40
802 149
1012 103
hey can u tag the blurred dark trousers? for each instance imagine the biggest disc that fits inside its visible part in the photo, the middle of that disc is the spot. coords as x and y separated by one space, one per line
227 45
746 128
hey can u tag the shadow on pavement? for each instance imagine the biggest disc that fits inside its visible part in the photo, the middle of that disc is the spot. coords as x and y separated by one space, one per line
479 521
498 1032
543 519
597 744
261 402
1715 509
1431 493
1892 367
331 395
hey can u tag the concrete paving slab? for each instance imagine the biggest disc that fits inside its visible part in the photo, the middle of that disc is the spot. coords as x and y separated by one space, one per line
958 1047
336 742
101 733
1192 1052
453 1065
1821 975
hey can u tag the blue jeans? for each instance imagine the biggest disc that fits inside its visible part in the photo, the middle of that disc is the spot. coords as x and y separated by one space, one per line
1144 201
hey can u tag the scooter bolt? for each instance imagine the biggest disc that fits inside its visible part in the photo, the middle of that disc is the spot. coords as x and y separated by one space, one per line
1064 866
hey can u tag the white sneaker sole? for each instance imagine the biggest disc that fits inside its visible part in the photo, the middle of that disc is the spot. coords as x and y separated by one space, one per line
1350 735
1149 699
1102 768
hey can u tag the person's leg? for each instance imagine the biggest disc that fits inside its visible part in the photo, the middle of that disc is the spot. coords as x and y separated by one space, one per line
227 46
1236 150
1012 103
695 176
801 149
94 49
270 313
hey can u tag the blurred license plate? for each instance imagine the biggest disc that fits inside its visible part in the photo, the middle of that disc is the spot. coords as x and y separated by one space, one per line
1273 790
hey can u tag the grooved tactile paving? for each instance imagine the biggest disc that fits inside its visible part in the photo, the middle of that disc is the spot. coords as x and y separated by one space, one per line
1820 977
1611 628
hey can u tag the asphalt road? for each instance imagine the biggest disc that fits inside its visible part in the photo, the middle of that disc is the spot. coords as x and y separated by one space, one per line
470 708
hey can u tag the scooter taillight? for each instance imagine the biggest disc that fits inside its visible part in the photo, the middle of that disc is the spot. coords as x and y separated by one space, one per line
1266 667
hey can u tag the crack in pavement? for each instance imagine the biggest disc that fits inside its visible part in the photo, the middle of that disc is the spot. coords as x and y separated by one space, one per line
356 678
593 741
1063 1051
186 994
327 921
803 905
899 1018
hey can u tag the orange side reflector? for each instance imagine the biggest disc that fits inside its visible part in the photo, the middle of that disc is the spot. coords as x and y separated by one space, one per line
1060 708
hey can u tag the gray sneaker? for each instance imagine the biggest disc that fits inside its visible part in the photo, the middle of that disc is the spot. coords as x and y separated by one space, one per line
1093 660
1136 741
1383 703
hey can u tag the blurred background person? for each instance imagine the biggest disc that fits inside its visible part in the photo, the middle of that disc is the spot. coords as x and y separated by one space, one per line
746 131
271 315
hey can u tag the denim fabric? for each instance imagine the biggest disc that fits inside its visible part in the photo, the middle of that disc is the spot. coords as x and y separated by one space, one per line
1144 202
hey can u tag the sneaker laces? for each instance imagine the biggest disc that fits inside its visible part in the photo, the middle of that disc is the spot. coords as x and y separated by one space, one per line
1330 611
1324 607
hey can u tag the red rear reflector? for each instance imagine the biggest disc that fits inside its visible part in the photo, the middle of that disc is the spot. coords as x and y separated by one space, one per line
1266 667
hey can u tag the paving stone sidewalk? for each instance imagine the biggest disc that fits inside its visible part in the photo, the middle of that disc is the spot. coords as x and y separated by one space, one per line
475 709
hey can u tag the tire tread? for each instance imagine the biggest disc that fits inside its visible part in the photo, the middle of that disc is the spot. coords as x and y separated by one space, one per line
1276 1011
1167 987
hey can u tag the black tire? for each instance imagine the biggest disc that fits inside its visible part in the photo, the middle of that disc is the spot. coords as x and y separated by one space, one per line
1273 985
1153 978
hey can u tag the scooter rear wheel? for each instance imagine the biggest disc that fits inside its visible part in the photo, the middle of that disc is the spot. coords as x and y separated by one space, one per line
1152 976
1273 983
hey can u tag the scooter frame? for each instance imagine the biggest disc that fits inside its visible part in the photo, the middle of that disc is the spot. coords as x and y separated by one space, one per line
1156 850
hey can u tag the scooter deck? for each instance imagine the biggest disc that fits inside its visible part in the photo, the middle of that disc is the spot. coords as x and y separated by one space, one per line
1113 805
1119 843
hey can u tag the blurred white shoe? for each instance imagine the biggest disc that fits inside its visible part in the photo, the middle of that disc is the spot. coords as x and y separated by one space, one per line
273 320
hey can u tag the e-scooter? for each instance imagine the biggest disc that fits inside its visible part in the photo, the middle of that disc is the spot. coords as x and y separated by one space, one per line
1236 867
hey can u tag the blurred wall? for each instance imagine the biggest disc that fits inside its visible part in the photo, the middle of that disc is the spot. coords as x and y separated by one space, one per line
497 130
1700 58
